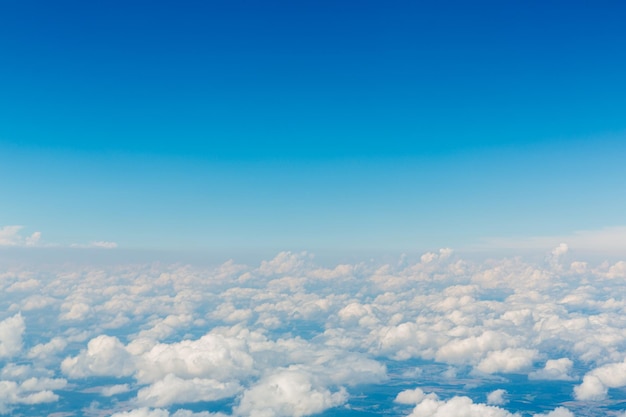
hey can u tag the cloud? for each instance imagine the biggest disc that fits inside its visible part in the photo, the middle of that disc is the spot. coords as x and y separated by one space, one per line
608 240
100 244
160 412
30 392
288 393
497 397
597 382
174 390
112 390
557 412
287 336
554 370
103 244
11 236
11 331
430 405
104 356
507 361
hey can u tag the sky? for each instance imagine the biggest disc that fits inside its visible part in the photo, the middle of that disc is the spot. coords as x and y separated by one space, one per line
310 125
312 208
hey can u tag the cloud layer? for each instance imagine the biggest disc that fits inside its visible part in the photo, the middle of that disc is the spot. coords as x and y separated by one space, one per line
292 338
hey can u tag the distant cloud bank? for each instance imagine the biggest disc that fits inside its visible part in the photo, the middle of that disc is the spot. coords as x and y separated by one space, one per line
438 336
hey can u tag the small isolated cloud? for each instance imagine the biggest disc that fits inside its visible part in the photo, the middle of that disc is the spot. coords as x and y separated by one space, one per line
12 236
103 244
112 390
497 397
100 244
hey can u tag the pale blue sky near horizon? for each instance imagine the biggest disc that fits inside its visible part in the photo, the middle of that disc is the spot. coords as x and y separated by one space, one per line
308 125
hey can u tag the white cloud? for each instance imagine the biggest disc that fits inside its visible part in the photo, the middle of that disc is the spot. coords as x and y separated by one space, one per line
508 360
98 244
554 370
32 391
286 394
103 244
271 335
174 390
410 396
11 331
104 356
431 406
557 412
596 383
497 397
112 390
160 412
608 240
11 236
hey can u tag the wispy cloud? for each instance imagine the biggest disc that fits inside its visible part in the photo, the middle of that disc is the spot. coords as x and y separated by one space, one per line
608 240
14 236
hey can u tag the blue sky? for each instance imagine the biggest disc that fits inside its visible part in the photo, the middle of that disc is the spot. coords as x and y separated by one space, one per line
306 125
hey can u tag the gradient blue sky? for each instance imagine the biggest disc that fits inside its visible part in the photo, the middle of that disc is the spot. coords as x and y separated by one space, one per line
311 124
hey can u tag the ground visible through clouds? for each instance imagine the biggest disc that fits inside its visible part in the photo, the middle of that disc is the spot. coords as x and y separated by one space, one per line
436 336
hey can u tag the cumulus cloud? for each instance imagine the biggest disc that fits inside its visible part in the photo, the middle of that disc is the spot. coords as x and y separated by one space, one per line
497 397
557 412
554 370
507 361
174 390
290 337
160 412
596 383
31 392
430 405
288 393
11 331
104 356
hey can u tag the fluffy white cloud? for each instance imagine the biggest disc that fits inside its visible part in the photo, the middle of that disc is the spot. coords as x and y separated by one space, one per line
104 356
174 390
596 383
11 331
555 370
186 334
557 412
32 391
431 406
160 412
288 393
507 360
497 397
